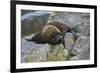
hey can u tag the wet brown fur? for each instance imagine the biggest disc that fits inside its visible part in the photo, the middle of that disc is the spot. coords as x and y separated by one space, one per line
49 31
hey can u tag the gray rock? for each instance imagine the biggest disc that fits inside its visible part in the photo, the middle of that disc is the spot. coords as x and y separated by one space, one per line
81 49
79 21
70 18
69 41
38 53
32 52
83 28
85 55
60 17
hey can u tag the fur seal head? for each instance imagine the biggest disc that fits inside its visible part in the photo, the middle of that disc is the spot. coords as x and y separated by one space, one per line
51 34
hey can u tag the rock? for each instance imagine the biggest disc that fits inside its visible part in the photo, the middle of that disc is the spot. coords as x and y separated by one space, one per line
85 55
57 53
83 28
33 22
81 49
79 21
32 52
38 53
69 41
60 17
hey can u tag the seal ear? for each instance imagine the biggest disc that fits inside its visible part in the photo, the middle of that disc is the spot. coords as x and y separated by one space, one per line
37 38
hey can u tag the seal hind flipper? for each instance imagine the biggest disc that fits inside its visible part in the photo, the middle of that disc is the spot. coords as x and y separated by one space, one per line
37 38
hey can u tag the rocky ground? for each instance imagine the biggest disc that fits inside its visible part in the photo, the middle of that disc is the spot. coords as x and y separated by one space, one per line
33 21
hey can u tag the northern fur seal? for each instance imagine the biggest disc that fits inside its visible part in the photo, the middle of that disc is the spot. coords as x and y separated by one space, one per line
52 33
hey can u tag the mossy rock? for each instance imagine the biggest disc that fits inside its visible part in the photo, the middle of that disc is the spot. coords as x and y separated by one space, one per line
57 53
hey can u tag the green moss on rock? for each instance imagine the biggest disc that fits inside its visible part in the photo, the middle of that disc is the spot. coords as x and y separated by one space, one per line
57 53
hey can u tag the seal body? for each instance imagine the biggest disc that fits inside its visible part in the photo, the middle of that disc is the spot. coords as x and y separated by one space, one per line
52 33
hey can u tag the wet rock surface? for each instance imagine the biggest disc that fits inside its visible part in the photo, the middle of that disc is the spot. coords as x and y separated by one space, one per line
75 49
81 49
